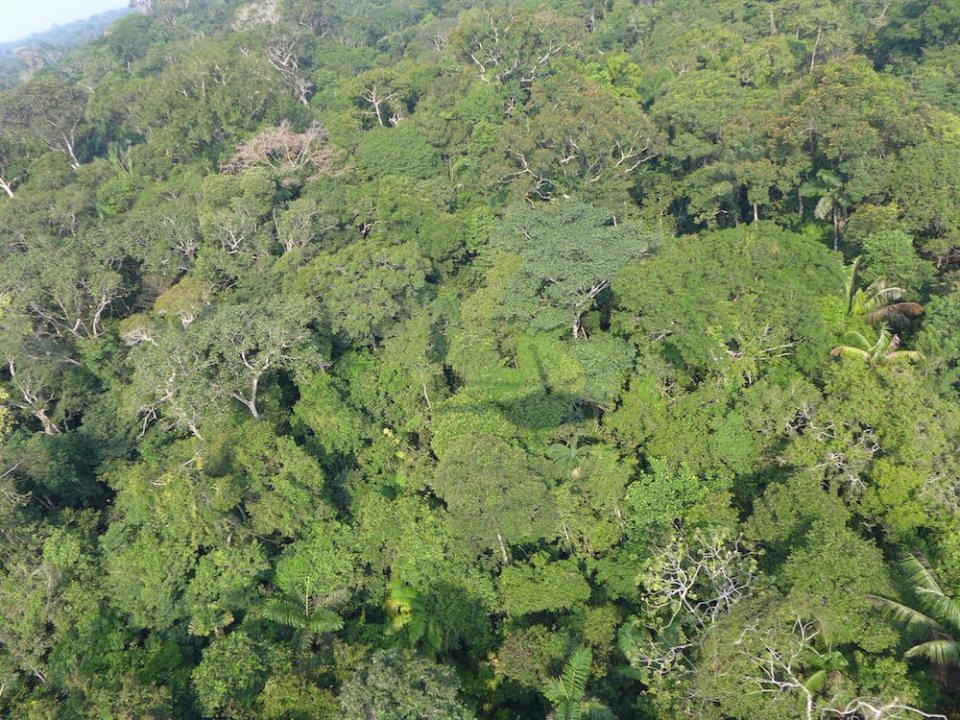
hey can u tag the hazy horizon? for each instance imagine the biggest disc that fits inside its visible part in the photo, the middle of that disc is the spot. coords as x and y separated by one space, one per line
22 19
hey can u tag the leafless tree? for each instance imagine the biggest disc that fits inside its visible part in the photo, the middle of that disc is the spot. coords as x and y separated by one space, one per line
283 149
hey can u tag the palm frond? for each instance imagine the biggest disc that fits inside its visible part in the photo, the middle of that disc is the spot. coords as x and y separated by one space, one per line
849 351
402 603
824 207
943 608
577 672
554 691
816 682
850 281
919 572
898 313
210 624
292 615
323 621
878 295
336 597
284 612
596 710
939 652
828 178
434 636
857 340
885 341
416 628
558 452
904 615
904 356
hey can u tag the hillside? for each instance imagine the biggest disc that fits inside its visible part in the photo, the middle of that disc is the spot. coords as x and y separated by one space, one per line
426 359
20 58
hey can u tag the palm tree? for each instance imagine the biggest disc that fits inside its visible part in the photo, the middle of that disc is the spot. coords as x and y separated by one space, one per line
823 666
568 458
877 302
884 350
567 693
409 610
938 618
833 201
210 622
310 617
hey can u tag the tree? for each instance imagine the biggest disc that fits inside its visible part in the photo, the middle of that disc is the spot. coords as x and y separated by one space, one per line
230 673
938 618
570 254
686 586
11 166
286 152
366 287
513 49
567 694
223 355
877 303
408 610
575 138
733 303
171 379
250 340
890 254
398 685
494 495
923 187
46 110
833 201
542 586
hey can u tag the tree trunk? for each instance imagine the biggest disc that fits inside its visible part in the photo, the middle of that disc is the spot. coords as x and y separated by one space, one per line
193 431
48 427
756 213
503 548
816 44
6 187
836 230
251 404
68 142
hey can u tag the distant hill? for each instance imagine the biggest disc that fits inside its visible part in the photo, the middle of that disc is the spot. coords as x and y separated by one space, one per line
22 57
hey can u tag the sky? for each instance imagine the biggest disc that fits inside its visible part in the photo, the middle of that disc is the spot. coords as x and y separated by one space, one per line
19 18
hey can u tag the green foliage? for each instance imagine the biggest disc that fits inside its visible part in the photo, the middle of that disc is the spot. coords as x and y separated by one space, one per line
542 586
570 256
399 151
398 684
494 494
423 359
230 674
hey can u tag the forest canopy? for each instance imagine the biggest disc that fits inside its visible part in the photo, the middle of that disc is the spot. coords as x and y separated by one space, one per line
431 359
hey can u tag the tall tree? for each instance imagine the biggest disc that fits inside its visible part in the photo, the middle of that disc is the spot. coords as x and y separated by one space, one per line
46 110
571 253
